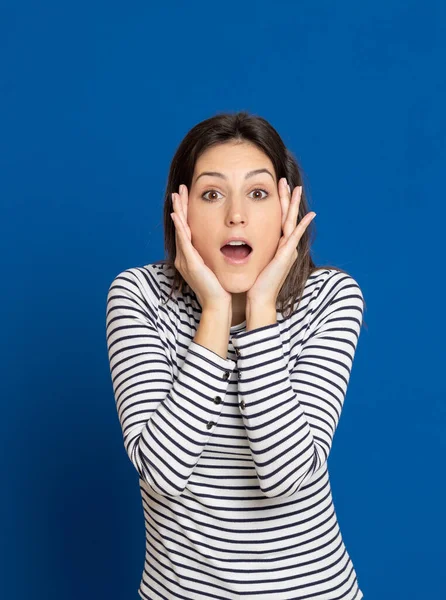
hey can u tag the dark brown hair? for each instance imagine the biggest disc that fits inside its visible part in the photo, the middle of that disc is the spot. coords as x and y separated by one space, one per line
241 127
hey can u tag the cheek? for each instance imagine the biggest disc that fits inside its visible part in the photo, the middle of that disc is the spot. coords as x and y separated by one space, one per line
271 228
201 237
196 219
269 249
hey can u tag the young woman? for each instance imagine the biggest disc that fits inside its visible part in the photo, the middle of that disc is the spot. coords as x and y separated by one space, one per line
230 366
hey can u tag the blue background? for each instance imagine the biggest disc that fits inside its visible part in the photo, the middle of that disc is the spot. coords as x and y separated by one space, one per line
95 98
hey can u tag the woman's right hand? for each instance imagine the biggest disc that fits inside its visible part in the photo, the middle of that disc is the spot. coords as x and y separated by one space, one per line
189 263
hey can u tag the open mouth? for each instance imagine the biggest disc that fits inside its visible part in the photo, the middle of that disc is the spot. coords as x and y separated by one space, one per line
236 254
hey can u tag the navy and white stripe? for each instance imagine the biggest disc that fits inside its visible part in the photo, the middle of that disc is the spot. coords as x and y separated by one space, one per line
232 453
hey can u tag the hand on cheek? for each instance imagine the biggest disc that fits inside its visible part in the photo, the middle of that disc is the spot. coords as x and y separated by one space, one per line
267 286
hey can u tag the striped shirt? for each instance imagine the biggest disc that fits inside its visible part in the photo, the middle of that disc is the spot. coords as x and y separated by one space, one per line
232 453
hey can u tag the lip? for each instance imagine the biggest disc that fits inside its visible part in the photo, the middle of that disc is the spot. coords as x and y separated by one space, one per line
239 261
236 239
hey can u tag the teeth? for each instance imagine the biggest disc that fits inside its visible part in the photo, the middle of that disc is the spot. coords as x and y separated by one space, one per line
236 244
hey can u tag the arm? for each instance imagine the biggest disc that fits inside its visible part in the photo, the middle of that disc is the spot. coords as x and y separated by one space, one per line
291 413
165 423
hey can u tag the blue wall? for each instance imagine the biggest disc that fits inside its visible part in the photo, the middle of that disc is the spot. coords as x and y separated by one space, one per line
95 97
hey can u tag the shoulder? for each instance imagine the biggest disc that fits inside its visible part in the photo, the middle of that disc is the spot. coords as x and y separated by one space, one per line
330 289
147 285
330 282
150 279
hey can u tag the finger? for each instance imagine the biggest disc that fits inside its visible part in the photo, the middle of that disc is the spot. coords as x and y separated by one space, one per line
179 235
180 202
293 211
179 205
301 227
184 195
291 243
284 196
176 202
182 234
177 217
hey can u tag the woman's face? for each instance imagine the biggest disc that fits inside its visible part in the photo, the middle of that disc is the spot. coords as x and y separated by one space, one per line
236 204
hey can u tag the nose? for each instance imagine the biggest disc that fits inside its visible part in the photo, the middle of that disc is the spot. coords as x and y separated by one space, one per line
236 212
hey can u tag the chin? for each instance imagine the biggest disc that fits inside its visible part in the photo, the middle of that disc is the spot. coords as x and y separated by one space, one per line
237 289
237 283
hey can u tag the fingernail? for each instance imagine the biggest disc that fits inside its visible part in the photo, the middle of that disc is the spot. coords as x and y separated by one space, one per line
181 188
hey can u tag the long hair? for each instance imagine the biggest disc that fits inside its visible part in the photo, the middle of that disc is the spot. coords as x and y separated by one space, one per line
240 127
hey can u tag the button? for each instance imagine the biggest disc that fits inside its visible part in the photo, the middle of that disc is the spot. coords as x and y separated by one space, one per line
226 375
242 404
239 374
217 399
237 351
210 424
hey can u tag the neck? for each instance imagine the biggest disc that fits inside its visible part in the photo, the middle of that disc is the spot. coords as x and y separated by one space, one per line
238 308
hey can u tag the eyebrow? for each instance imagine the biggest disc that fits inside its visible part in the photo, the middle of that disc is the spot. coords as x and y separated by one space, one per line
249 174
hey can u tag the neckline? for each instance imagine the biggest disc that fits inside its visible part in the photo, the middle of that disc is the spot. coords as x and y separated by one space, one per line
238 326
232 329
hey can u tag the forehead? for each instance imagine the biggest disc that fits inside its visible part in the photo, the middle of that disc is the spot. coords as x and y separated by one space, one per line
233 158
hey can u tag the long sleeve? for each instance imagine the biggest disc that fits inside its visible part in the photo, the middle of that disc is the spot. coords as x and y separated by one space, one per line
291 408
166 422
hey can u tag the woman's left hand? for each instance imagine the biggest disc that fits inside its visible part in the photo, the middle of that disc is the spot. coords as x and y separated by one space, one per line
267 286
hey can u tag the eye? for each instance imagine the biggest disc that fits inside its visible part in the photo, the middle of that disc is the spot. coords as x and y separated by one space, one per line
207 192
259 190
215 191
